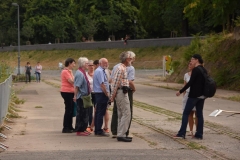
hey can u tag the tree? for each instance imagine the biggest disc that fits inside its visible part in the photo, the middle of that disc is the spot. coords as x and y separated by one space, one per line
58 28
100 11
173 17
151 17
27 31
89 28
113 22
215 12
12 35
41 13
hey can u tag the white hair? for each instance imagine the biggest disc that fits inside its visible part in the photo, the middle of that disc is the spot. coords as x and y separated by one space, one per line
132 54
82 61
102 59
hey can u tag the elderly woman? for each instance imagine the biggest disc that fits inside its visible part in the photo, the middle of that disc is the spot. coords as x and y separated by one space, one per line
82 88
67 92
89 74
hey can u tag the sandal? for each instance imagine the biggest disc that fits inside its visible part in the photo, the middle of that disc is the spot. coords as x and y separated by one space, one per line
190 133
89 129
106 130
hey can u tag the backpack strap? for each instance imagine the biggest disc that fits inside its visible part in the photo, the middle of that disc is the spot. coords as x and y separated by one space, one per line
203 72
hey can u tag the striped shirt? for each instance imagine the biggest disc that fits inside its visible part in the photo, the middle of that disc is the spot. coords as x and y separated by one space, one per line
119 78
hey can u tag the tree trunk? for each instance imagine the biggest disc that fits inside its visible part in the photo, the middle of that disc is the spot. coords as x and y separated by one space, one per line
236 33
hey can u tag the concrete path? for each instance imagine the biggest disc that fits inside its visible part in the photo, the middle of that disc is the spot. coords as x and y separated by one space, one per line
37 135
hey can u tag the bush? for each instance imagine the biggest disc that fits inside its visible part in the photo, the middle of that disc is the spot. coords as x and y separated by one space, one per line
5 72
22 78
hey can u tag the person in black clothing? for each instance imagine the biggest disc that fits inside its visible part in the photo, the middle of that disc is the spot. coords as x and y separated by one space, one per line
195 98
28 69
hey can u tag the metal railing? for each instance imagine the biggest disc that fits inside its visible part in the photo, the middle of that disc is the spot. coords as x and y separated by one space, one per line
5 91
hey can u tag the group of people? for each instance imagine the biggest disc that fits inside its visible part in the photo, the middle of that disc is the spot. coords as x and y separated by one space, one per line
38 70
117 86
105 87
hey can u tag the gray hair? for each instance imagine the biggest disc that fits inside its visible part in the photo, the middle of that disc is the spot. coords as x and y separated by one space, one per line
82 61
132 54
90 62
124 55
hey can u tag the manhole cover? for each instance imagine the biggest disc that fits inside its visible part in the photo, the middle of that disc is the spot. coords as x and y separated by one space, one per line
32 92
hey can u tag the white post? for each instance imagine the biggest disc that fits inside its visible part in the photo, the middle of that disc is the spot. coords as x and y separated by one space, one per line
164 66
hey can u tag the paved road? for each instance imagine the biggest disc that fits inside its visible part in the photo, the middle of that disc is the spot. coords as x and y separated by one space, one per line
37 135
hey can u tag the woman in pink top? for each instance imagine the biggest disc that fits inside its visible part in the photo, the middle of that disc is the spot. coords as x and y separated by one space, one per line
67 92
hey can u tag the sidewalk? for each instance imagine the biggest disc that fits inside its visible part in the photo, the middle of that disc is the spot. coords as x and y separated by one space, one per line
37 135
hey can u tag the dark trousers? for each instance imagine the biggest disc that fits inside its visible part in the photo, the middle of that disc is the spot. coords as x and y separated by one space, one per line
28 77
90 110
114 122
82 117
69 104
101 101
191 102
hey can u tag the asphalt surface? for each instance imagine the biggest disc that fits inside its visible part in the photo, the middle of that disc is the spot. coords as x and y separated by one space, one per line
37 134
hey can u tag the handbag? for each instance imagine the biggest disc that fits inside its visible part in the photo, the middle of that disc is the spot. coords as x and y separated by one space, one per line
87 101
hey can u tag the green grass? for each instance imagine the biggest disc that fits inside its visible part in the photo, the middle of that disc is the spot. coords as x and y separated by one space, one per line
194 145
50 59
221 55
38 107
234 98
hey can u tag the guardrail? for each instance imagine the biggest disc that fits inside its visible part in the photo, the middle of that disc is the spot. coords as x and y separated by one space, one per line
5 91
140 43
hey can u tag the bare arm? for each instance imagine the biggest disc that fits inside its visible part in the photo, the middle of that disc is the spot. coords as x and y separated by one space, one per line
132 86
184 85
71 79
75 93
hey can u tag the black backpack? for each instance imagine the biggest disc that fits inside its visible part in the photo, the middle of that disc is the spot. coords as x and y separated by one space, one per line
210 86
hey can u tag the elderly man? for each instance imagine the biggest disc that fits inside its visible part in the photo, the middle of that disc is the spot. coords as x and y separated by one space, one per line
131 77
101 89
120 87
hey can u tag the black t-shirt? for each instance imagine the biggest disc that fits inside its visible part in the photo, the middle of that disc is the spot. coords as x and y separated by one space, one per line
28 69
196 83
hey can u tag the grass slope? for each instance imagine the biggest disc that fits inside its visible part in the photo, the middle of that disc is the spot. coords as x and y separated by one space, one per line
50 59
221 55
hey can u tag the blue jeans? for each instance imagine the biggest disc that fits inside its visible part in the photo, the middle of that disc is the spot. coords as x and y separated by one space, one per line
101 101
38 77
191 102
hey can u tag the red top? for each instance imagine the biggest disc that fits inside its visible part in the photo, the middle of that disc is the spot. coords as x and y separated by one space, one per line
65 85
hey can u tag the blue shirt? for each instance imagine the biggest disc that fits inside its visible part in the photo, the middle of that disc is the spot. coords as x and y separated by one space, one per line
100 77
130 73
81 83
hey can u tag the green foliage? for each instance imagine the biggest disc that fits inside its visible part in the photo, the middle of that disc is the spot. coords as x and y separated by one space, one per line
172 16
193 48
27 31
237 21
57 27
42 21
175 64
89 27
113 23
221 55
22 78
5 71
